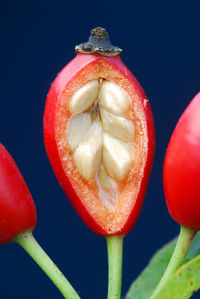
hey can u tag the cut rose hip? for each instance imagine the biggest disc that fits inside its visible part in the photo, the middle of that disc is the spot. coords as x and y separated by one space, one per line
99 136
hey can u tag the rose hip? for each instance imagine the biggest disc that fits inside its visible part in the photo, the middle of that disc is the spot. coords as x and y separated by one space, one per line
181 173
99 136
17 209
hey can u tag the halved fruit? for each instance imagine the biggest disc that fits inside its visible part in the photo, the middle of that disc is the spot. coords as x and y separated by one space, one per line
99 136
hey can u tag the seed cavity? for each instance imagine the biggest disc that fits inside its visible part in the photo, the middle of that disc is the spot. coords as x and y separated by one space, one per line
100 135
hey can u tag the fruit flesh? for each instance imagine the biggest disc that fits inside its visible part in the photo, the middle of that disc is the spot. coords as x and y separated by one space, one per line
101 135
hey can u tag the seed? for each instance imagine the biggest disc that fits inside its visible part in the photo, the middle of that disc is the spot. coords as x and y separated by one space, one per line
84 97
77 129
117 126
108 189
88 154
117 157
113 98
106 182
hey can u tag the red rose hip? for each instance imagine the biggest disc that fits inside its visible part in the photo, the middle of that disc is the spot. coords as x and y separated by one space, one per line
17 209
99 136
181 173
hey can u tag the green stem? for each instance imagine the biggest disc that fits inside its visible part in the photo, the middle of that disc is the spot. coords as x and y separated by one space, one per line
182 246
115 249
30 245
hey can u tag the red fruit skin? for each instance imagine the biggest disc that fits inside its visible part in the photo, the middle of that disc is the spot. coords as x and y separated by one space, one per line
17 209
66 75
181 173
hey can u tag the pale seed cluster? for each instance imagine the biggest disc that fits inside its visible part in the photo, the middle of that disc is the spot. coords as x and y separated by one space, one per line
101 134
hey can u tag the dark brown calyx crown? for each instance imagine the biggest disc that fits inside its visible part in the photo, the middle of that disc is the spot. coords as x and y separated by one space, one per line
99 43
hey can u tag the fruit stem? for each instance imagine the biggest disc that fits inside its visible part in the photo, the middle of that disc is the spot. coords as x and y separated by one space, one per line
115 249
27 241
185 238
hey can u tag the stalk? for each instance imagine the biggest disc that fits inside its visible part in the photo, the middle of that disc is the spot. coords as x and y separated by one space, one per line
182 246
115 250
27 241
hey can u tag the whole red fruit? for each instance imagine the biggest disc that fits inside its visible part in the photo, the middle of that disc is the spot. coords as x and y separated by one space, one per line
181 174
17 209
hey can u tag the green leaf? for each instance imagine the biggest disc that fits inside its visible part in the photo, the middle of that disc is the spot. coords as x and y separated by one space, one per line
183 283
144 286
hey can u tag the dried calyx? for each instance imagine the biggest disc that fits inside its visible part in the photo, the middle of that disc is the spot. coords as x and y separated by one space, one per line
98 43
100 134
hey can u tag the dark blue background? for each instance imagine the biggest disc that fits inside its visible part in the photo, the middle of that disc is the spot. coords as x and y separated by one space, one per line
161 42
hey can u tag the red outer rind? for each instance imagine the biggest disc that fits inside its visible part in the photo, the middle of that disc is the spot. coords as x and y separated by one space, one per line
181 173
17 209
67 74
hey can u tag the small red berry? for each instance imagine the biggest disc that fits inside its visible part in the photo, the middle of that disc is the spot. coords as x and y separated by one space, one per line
17 209
181 173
